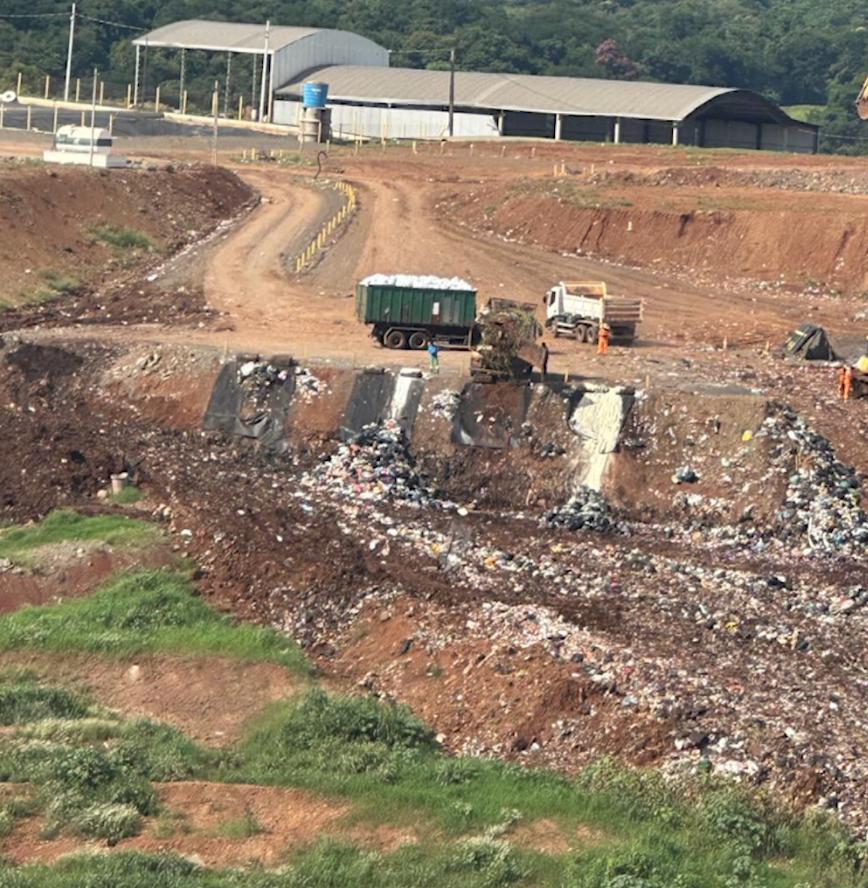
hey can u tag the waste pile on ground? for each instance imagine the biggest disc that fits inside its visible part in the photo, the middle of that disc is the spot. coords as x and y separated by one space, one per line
375 464
586 509
257 377
308 386
822 500
446 404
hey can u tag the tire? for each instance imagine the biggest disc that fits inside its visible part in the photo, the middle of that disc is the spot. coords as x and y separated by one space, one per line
418 340
591 335
395 339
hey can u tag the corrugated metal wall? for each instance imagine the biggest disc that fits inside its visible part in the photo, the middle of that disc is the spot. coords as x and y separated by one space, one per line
408 123
326 48
392 123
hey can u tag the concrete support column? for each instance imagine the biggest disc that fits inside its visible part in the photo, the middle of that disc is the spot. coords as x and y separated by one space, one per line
500 121
674 133
617 134
138 68
559 122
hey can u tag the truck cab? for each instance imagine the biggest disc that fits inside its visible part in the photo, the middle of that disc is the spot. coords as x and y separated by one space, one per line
580 308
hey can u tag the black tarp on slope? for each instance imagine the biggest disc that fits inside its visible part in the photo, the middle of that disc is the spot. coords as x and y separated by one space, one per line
369 402
491 414
809 343
239 408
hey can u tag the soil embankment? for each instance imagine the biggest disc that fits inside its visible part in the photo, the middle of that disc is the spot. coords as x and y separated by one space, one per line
68 232
789 229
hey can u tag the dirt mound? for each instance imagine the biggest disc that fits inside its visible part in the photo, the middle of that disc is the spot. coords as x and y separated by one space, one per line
69 233
719 223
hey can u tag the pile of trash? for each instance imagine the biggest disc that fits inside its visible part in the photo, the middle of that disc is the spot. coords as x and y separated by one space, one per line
374 465
257 377
308 386
822 500
586 509
446 404
418 281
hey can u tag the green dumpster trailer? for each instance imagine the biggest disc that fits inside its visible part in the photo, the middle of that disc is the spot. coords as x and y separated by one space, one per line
408 316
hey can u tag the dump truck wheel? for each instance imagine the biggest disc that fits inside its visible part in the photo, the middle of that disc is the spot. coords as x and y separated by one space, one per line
395 339
417 340
591 334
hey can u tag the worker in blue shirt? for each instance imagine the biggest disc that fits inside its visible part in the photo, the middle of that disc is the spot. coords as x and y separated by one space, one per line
433 355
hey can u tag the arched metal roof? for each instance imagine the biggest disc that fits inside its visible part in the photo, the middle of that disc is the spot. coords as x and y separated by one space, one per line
234 37
545 95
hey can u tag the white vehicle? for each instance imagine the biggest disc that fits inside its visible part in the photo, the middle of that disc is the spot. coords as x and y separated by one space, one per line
579 308
84 145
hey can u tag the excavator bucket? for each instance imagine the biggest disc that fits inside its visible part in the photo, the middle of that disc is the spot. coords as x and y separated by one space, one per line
862 101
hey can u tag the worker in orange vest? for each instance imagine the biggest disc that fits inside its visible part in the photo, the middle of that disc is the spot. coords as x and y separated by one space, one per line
845 381
603 339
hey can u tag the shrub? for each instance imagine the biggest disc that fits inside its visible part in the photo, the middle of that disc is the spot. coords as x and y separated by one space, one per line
493 859
109 821
21 703
320 717
121 238
331 864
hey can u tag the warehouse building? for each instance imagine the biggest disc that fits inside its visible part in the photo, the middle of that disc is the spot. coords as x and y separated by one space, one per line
368 99
398 103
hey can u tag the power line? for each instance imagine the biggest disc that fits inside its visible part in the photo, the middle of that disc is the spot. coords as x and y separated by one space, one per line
34 15
90 18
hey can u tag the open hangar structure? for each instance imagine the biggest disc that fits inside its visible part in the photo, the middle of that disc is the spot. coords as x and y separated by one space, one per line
397 103
369 99
285 52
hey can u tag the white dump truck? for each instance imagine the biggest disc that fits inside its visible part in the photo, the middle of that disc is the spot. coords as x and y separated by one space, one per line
579 308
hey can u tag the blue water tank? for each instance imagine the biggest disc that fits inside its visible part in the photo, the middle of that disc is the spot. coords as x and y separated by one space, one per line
314 95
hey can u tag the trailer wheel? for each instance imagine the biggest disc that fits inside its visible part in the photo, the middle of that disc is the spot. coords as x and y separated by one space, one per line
395 339
418 340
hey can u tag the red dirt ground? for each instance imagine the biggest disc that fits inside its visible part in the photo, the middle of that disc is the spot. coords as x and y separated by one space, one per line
75 410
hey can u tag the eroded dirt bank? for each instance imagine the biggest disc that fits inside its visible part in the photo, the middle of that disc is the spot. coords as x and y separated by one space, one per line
796 230
69 232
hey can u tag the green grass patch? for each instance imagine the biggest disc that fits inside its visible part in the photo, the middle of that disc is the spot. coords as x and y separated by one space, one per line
63 526
569 192
127 495
25 702
242 827
121 238
649 833
144 611
57 282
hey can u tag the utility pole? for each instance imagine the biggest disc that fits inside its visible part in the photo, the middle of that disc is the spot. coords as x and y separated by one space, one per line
451 92
93 116
262 105
215 107
228 84
183 84
69 55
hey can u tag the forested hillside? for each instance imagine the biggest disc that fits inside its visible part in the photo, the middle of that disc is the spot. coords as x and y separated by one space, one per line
796 52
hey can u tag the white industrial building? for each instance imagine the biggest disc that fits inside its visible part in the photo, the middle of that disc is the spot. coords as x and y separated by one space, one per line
368 99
